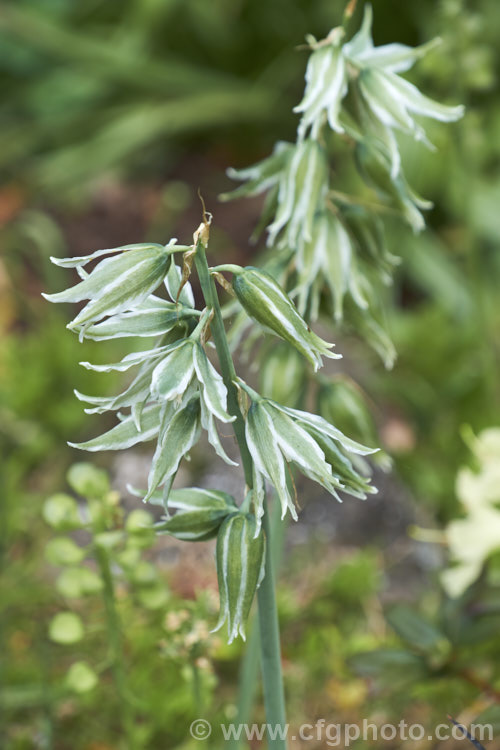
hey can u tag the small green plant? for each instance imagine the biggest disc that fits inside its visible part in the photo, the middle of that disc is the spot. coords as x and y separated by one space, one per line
327 246
112 594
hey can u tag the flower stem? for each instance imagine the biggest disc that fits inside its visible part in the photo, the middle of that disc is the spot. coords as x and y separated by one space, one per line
268 614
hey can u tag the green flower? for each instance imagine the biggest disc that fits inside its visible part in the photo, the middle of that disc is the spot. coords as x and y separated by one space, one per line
277 435
264 300
240 570
199 513
116 284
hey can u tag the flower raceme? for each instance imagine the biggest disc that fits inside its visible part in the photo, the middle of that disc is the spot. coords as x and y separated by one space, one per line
176 392
355 89
335 66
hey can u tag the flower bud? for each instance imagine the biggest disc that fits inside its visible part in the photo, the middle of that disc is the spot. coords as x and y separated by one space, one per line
240 569
374 163
283 375
341 402
302 189
265 301
199 513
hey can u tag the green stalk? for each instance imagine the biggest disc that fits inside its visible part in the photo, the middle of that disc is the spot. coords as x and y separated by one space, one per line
268 615
226 361
272 678
249 670
116 644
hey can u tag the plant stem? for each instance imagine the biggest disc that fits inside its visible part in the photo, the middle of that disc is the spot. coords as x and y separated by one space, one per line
272 678
268 614
225 359
115 641
249 670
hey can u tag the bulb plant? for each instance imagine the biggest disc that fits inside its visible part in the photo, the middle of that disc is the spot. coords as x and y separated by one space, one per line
328 255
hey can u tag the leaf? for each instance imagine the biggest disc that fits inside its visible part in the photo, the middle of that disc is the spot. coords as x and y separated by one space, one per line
395 58
63 551
208 424
66 628
390 666
81 678
137 392
414 629
298 446
61 512
322 425
240 561
133 359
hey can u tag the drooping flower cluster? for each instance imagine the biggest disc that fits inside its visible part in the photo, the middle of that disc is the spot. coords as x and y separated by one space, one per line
277 436
177 392
336 249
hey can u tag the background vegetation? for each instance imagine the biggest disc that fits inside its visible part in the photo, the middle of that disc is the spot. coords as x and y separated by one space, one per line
112 115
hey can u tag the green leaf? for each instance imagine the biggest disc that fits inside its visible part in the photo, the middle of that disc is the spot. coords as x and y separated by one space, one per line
81 678
87 480
173 281
61 512
391 666
82 260
133 359
298 446
63 551
66 628
267 455
265 301
414 629
199 513
76 582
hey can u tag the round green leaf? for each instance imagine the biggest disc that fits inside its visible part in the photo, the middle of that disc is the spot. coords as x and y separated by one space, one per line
139 521
81 678
66 627
64 551
154 597
61 512
88 480
75 582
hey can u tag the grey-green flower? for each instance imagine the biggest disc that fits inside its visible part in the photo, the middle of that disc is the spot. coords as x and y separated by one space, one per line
278 435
